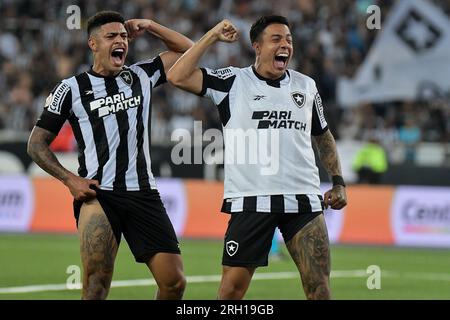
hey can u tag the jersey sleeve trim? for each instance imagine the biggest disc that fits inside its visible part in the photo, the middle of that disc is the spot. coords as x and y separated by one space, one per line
319 124
204 85
160 65
57 108
219 80
151 68
50 121
59 101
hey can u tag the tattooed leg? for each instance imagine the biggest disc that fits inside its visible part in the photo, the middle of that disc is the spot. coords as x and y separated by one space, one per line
310 251
98 248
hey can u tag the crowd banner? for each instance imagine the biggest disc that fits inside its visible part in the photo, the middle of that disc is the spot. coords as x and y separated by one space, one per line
408 60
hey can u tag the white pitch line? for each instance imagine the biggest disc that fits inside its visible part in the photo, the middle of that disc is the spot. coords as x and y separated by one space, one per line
189 279
216 278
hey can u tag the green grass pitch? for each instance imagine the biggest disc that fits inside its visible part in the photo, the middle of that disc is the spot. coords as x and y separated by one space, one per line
406 273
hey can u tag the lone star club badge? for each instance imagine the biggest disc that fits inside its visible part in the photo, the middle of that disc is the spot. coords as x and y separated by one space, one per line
231 247
127 77
299 98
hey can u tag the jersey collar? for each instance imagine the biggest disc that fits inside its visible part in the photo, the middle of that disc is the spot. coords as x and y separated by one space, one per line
98 75
271 82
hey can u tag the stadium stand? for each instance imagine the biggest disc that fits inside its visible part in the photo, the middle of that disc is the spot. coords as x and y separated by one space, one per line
331 40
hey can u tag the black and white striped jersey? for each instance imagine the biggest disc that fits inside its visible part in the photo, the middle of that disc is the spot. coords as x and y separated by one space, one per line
269 160
281 203
110 118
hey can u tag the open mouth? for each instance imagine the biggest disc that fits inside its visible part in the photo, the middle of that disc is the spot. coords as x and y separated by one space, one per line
117 56
281 61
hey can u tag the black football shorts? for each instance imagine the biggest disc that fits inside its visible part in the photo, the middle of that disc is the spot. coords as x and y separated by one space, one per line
141 217
249 235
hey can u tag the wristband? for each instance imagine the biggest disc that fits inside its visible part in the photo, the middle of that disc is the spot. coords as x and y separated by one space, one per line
338 181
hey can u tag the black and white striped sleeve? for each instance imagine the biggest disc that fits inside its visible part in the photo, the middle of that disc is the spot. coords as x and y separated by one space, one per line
154 68
217 83
319 123
56 109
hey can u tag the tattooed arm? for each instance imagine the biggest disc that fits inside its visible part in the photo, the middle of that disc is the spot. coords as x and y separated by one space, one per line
39 150
326 146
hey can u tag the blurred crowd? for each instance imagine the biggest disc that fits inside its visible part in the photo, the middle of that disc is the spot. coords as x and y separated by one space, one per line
37 50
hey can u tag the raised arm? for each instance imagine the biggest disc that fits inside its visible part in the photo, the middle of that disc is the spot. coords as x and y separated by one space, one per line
175 42
39 150
185 73
326 146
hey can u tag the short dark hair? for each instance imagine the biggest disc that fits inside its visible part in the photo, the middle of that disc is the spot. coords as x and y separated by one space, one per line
103 17
259 26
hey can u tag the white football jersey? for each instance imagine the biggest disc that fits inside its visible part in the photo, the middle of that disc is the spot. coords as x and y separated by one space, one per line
267 131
